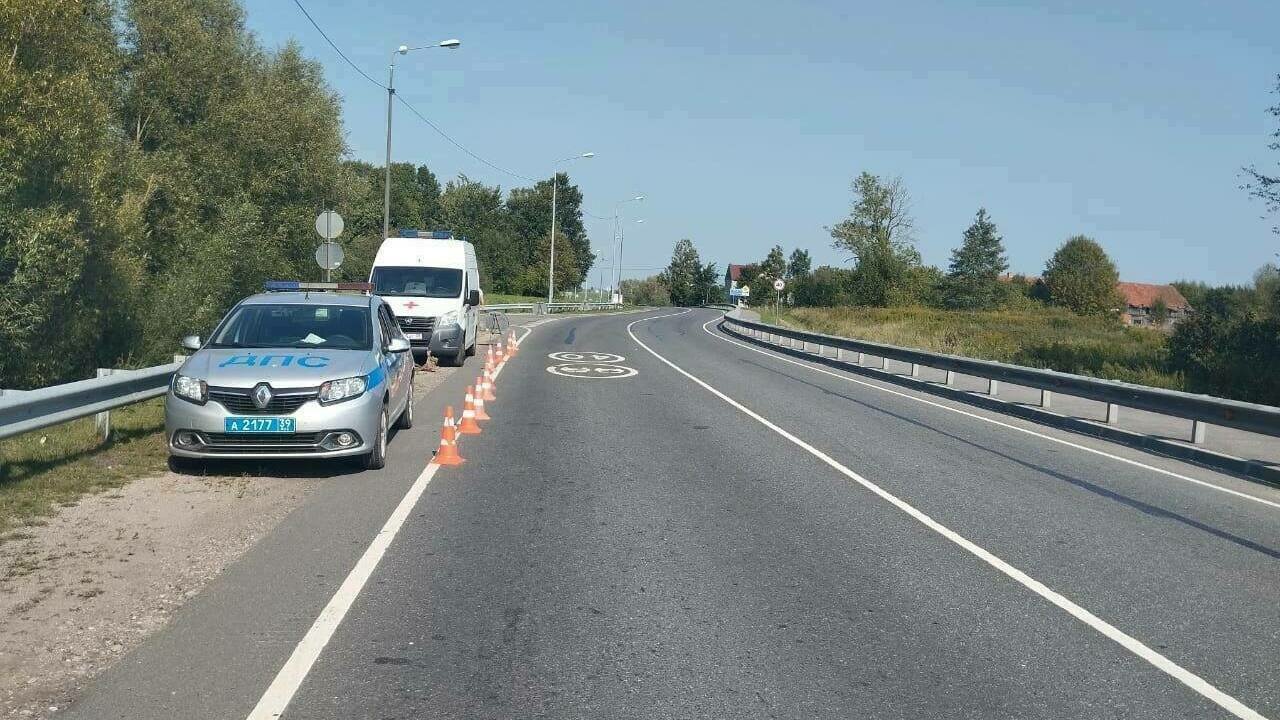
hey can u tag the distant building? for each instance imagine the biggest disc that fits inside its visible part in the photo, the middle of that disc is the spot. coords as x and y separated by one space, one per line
731 276
1140 298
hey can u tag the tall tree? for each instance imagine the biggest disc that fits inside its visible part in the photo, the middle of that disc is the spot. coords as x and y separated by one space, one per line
64 266
799 264
1081 277
1266 186
973 279
878 235
683 274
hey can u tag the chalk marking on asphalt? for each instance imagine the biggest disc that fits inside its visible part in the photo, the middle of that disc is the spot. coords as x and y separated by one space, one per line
966 413
1128 642
280 692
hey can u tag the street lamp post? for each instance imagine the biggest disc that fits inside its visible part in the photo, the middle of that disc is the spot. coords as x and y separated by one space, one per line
622 238
617 235
555 184
452 44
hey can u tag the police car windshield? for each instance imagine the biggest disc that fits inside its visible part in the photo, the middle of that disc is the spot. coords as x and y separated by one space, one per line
332 327
429 282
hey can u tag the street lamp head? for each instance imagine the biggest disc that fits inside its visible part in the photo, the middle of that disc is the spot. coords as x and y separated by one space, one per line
403 49
640 221
639 197
451 43
588 155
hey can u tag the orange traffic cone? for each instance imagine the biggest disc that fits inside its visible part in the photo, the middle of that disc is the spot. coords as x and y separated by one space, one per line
511 342
481 415
488 361
503 354
447 453
469 426
486 383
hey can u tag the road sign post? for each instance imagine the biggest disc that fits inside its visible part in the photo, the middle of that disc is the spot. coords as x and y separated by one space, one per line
329 255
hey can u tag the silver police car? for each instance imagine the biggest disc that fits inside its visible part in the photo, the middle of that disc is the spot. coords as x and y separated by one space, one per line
301 372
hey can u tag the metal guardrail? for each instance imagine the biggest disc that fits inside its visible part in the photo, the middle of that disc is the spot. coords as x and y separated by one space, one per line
1200 409
27 410
542 308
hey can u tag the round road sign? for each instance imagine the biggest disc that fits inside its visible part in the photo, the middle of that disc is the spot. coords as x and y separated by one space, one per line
329 225
329 255
778 285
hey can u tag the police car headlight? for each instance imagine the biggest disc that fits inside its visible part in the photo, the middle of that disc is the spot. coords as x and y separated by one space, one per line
449 318
344 389
191 389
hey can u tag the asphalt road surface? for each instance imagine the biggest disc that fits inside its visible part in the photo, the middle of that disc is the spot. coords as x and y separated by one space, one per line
664 522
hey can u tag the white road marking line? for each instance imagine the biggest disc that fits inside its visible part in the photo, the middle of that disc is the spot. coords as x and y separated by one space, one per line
1133 645
966 413
278 695
289 679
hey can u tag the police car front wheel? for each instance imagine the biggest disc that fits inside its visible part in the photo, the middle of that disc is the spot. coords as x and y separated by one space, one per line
377 459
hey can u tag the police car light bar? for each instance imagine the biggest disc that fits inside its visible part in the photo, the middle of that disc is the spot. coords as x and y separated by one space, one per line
286 285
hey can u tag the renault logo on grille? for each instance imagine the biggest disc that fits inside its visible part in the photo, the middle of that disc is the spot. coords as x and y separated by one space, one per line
262 395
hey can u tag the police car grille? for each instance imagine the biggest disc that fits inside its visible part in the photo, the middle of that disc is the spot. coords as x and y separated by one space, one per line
262 442
241 401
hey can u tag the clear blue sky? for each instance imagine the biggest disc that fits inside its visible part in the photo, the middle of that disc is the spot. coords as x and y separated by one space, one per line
743 121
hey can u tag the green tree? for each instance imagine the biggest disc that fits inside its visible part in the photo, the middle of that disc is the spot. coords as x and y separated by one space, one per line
1266 186
67 266
708 287
799 264
1159 312
825 287
1081 277
973 279
649 291
878 235
683 275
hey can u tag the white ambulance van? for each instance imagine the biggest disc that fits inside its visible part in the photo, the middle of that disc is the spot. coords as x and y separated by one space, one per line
431 281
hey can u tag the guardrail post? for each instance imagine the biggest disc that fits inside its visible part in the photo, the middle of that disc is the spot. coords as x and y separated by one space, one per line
993 387
1046 397
102 421
858 359
1113 413
915 370
951 377
1197 432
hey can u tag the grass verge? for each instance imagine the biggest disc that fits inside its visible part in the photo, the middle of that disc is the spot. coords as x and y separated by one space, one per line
1045 338
44 469
500 299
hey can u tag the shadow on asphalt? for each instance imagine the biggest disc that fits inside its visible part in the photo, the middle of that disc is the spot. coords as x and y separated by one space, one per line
1140 506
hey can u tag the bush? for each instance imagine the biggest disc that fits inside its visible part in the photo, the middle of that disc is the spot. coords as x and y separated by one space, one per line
1081 278
824 287
648 291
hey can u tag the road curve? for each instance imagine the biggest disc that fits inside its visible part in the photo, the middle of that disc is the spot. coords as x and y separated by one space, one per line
721 532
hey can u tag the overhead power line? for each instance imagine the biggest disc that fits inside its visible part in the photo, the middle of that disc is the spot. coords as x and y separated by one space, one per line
335 47
404 102
459 145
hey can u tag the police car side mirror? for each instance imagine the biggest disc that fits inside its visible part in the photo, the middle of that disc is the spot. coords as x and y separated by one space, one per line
398 345
473 298
191 342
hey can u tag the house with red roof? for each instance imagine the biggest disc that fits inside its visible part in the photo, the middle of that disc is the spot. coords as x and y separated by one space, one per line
1140 299
731 276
